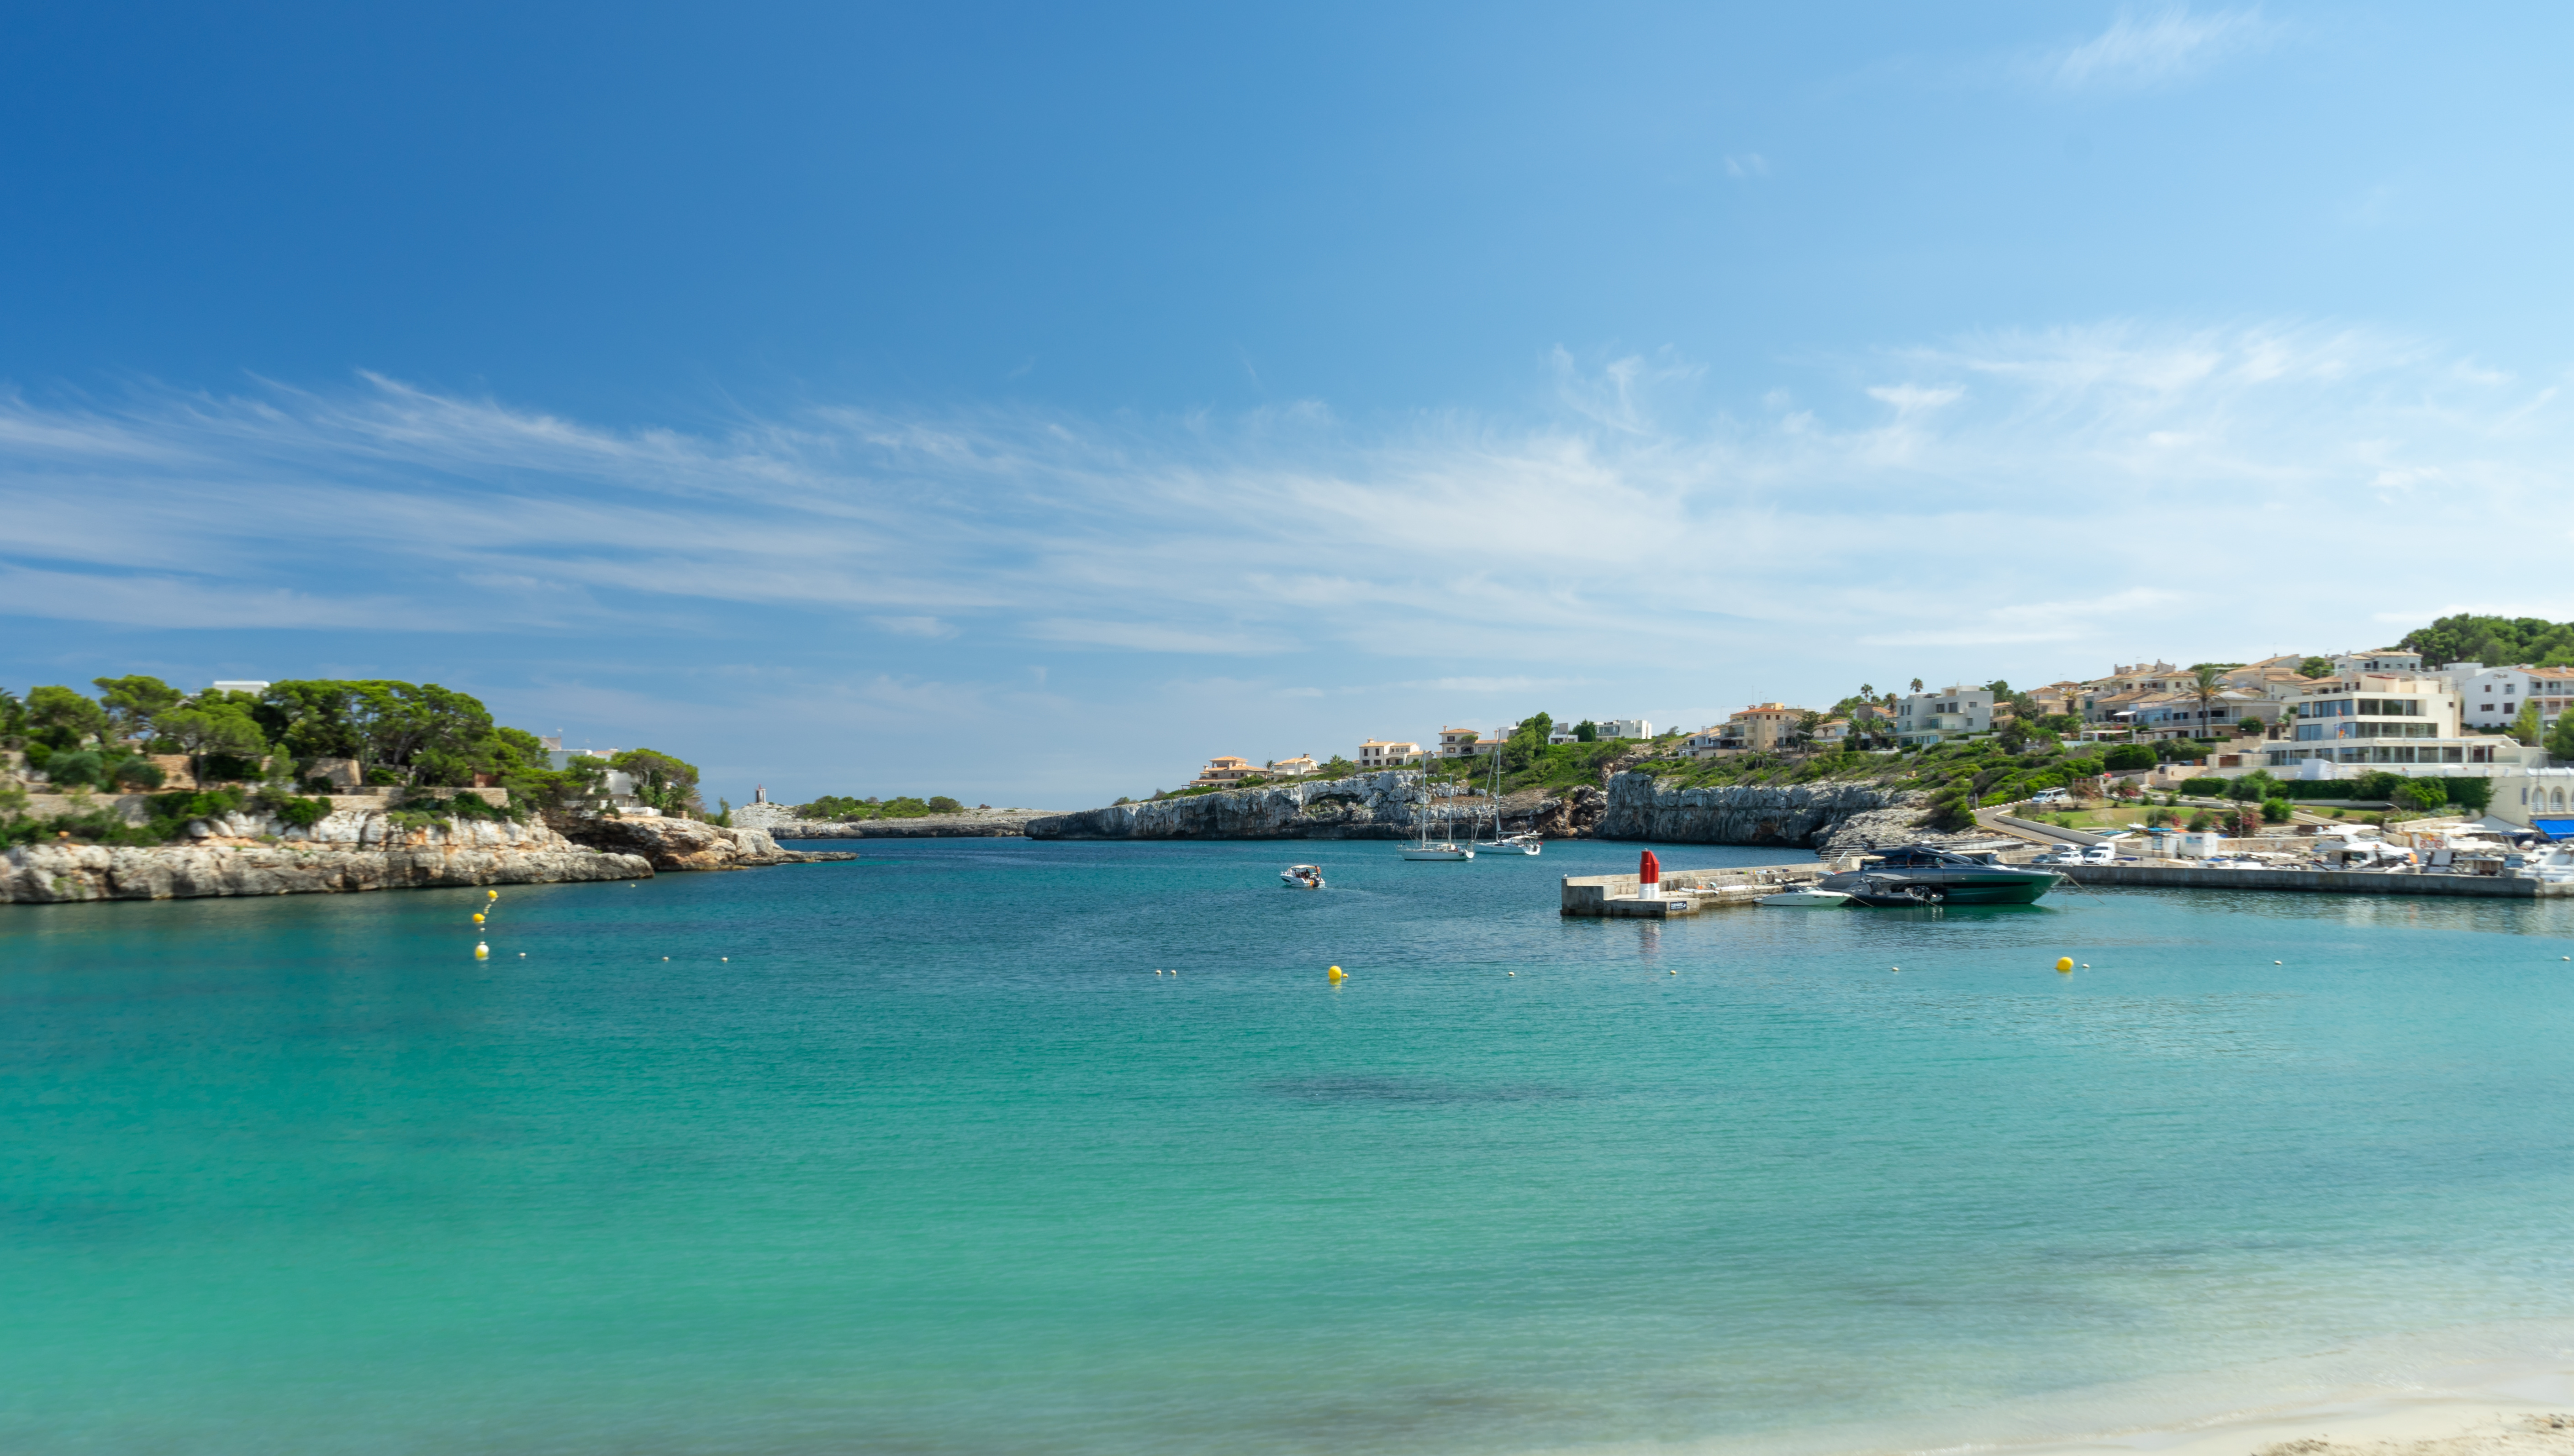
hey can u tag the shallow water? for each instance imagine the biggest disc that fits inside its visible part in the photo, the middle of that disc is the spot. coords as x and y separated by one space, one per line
936 1163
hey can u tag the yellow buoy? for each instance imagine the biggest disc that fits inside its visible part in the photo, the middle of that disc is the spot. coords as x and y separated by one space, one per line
2064 963
494 894
481 952
1335 973
478 917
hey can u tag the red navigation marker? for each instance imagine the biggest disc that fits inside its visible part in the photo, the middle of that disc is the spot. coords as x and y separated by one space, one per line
1650 870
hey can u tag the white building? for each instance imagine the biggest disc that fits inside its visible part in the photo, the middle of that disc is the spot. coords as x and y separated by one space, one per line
1949 713
2523 795
253 686
1466 742
1607 728
1375 755
2393 720
2377 659
2491 697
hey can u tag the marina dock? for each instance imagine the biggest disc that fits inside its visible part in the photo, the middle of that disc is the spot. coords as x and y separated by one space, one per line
1683 892
2325 882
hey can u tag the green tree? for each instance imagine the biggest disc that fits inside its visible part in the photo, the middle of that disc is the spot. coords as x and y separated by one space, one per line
2125 757
2276 811
204 730
131 702
666 783
2474 795
312 718
2423 794
1586 731
62 717
1336 767
2560 739
941 804
2315 667
1952 814
2206 681
2525 727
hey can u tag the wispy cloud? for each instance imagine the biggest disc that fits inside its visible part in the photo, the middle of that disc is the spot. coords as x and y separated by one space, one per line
2166 46
2043 487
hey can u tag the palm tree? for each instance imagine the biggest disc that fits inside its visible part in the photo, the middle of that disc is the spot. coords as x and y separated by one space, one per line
2206 681
1867 693
1916 684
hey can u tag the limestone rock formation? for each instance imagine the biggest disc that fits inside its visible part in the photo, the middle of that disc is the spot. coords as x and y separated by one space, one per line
339 858
1364 806
1803 815
686 844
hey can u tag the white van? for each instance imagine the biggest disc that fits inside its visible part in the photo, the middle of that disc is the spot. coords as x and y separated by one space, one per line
2045 797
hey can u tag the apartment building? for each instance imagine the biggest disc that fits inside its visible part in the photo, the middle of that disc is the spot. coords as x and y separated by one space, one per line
1950 712
1376 754
2387 720
2491 697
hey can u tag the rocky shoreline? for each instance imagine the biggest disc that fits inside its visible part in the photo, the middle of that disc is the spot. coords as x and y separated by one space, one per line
779 822
1828 818
350 852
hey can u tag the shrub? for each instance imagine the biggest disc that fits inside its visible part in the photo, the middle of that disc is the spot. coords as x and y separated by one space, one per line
2276 811
941 804
301 813
2423 794
1951 815
2198 821
2129 756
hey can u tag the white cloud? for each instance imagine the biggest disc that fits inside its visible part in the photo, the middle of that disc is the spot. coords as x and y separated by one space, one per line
2170 45
2034 497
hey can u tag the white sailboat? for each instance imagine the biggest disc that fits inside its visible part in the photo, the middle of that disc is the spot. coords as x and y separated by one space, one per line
1523 843
1428 849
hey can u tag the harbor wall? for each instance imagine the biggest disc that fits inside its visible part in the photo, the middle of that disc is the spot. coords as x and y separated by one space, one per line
1685 891
2331 882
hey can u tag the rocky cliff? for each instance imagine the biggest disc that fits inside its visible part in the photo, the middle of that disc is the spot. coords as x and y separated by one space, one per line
686 844
1367 806
1633 806
255 855
1802 815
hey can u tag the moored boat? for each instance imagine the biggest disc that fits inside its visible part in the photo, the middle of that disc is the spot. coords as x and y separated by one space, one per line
1923 874
1302 876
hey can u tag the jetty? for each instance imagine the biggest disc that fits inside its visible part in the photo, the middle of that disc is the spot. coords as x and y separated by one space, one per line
1682 892
2172 876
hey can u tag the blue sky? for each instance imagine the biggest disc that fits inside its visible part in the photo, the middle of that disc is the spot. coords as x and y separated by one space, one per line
1028 403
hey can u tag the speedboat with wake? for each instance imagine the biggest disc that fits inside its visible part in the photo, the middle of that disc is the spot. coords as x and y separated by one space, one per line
1925 874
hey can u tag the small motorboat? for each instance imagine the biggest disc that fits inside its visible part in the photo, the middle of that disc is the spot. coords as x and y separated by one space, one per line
1302 876
1806 897
1515 844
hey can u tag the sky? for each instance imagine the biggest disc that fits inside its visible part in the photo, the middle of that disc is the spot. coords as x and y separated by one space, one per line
1029 404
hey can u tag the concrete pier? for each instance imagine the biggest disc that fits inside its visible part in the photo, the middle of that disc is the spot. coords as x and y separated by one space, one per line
1685 891
2324 882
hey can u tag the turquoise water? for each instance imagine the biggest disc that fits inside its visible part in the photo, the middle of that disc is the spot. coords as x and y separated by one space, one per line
936 1163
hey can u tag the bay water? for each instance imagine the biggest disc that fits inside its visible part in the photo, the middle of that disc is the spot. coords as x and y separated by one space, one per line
919 1154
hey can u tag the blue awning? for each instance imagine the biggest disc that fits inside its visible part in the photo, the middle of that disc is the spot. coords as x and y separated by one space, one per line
2553 828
